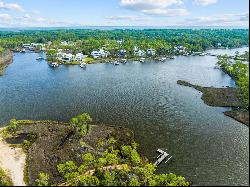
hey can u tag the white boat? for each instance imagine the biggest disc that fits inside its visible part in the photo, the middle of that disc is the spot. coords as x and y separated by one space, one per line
163 59
124 61
40 58
23 51
142 59
83 65
54 65
116 63
203 54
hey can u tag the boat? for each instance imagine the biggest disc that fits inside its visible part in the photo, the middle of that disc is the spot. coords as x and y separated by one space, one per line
163 155
163 59
124 61
40 58
83 65
172 57
142 59
116 63
23 51
53 65
203 54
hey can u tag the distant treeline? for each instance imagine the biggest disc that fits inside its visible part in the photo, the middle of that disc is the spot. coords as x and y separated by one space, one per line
194 40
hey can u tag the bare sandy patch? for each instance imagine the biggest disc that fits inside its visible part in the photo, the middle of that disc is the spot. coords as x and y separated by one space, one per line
13 161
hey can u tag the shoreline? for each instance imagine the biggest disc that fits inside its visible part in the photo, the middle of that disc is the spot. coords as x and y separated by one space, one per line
223 97
6 58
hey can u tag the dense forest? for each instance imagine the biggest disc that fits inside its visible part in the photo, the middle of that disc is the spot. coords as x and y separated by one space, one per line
163 40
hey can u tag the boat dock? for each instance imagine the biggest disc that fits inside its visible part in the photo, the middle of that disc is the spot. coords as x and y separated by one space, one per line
163 155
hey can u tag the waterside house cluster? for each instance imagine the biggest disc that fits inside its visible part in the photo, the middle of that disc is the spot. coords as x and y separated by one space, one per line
69 52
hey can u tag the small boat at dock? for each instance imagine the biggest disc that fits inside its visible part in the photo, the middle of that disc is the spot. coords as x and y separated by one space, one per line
203 54
116 63
53 64
83 65
142 59
40 58
124 61
163 59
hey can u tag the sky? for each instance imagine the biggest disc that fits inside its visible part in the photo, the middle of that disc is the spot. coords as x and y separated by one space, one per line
73 13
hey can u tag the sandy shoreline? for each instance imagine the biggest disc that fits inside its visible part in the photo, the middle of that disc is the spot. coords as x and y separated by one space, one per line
12 160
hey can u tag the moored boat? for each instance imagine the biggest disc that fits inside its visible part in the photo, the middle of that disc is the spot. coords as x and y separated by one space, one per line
83 65
142 59
116 63
124 61
53 64
40 58
163 59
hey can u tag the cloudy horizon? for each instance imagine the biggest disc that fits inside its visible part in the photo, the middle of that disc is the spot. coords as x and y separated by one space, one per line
157 13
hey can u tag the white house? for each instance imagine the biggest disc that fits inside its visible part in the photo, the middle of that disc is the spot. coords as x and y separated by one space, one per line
140 53
180 49
151 52
100 54
26 45
67 57
79 57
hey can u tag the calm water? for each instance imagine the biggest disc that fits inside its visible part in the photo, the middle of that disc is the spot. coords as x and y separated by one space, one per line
208 147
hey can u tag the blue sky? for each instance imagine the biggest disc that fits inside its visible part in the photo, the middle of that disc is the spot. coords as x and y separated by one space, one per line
56 13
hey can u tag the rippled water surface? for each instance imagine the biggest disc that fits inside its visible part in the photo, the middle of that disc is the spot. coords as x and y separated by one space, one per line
207 147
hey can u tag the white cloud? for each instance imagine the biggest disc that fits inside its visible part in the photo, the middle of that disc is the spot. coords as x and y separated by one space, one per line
166 12
149 4
28 19
31 21
219 20
155 7
5 18
126 18
11 6
205 2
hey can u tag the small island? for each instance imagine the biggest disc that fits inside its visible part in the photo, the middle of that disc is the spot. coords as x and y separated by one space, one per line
81 153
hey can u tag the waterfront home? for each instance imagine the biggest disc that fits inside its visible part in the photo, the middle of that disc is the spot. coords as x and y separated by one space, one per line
122 53
140 53
68 58
180 49
100 54
79 57
151 52
26 45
